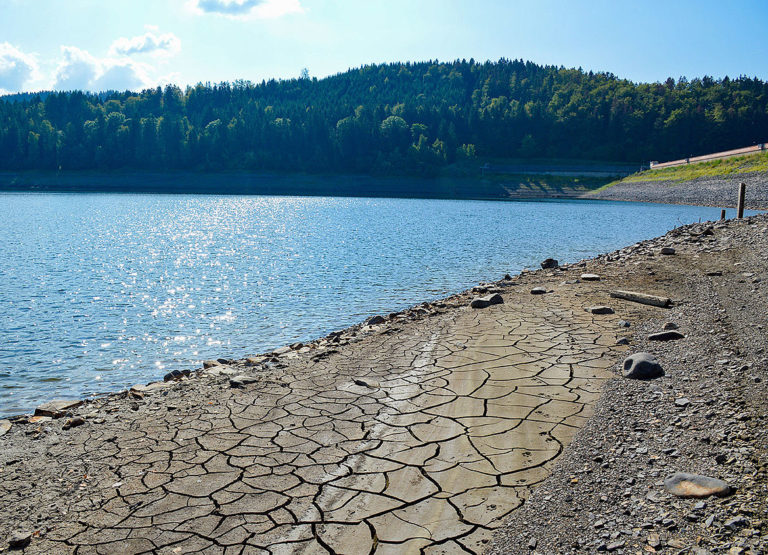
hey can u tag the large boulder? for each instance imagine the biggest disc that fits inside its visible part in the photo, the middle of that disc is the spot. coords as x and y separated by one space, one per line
642 366
549 263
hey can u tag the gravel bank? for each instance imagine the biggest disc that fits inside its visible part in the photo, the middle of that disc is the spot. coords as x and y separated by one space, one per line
707 415
711 191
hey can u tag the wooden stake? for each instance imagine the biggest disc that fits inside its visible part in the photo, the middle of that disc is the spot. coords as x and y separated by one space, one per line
722 214
742 194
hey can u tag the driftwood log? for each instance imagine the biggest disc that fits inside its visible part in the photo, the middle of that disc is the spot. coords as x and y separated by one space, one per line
642 298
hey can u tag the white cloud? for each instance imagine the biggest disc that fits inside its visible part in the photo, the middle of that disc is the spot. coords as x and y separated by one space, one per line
78 69
150 42
261 9
16 68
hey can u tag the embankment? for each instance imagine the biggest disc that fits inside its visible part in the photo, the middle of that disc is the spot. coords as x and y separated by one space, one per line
703 191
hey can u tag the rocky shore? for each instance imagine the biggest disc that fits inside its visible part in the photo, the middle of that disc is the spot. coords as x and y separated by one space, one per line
710 191
506 427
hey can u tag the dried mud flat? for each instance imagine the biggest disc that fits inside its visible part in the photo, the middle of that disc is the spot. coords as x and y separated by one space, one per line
436 428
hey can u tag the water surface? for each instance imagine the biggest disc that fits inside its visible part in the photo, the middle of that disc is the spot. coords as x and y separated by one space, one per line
102 291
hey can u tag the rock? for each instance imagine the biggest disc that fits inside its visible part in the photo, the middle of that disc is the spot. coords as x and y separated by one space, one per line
19 539
654 540
282 350
642 366
714 273
242 380
590 277
622 341
736 522
210 363
599 309
375 320
149 388
667 250
366 383
623 324
507 277
73 423
549 263
670 335
682 402
615 545
175 375
538 291
670 326
5 426
682 484
57 408
39 419
488 300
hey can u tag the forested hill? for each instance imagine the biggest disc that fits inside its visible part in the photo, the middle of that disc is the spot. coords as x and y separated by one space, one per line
384 119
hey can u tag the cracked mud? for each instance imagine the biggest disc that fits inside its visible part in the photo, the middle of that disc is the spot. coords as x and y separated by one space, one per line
418 437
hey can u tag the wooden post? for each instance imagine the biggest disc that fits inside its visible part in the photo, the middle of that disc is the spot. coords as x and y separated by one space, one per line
742 194
722 214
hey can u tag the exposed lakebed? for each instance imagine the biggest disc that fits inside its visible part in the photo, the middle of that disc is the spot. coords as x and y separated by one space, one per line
102 291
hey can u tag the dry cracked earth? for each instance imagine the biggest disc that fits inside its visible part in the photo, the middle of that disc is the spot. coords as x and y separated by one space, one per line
415 436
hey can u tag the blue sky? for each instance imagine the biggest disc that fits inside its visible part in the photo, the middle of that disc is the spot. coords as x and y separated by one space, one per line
132 44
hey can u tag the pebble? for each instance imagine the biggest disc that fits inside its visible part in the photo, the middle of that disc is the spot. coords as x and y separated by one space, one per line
488 300
669 335
57 408
375 320
642 366
19 539
599 309
73 423
241 380
623 324
682 484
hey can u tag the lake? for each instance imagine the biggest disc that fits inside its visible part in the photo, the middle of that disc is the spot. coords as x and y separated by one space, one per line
99 292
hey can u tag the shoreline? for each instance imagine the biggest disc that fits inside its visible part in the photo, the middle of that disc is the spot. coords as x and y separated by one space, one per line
558 495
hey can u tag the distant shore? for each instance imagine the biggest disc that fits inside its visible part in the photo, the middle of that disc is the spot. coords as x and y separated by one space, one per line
496 187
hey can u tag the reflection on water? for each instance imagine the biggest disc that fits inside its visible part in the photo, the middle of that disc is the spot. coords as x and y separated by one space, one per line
100 291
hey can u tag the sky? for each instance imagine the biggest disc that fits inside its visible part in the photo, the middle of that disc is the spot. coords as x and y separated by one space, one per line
134 44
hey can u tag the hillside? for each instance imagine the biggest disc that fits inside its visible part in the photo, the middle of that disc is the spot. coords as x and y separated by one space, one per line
400 118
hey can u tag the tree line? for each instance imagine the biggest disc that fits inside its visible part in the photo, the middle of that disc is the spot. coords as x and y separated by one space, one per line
400 118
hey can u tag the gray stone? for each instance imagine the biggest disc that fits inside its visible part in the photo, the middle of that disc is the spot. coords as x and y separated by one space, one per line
623 324
538 291
590 277
73 423
241 380
669 335
682 484
549 263
599 309
210 363
714 273
488 300
282 350
642 366
19 539
667 250
670 326
5 426
375 320
622 341
366 383
682 402
57 408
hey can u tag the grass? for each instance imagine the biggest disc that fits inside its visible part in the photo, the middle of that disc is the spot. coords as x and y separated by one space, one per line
724 167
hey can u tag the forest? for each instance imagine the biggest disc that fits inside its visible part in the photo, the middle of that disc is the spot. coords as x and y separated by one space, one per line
389 119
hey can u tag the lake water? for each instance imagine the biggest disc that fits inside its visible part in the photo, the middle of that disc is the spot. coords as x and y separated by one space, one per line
99 292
